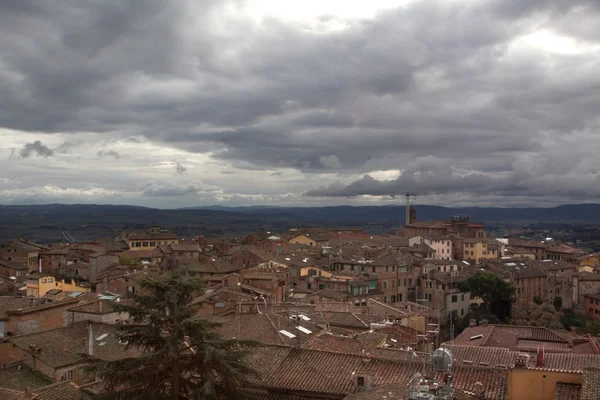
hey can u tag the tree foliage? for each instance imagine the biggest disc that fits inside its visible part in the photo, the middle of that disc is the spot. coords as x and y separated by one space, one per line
493 290
533 314
181 356
558 302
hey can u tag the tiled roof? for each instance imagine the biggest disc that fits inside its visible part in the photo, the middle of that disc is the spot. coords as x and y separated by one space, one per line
61 391
568 391
20 377
9 394
64 346
213 265
482 356
13 265
265 329
494 380
566 362
16 303
590 384
362 343
324 372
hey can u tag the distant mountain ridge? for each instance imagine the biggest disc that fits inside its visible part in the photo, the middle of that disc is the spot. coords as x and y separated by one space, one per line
568 213
84 222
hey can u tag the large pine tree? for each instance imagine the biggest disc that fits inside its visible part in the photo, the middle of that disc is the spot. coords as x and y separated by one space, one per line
181 355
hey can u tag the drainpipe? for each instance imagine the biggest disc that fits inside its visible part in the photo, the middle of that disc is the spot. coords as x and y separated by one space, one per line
91 340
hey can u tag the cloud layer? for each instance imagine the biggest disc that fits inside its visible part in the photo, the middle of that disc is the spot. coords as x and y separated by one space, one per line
185 103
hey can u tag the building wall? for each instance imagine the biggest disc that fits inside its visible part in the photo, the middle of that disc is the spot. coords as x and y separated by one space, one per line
442 247
38 319
592 307
583 287
100 264
528 288
10 354
47 283
148 244
52 262
537 385
590 261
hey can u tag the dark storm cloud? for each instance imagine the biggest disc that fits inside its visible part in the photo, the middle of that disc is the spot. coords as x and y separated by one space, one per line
431 81
36 148
109 153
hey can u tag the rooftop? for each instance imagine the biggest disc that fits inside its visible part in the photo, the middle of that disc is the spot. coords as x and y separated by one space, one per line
64 346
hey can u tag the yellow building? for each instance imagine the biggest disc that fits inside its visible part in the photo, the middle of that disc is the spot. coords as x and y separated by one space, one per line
304 240
589 260
314 271
148 239
38 284
476 250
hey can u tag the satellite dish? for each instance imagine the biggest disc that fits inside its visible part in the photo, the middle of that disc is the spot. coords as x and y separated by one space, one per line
442 360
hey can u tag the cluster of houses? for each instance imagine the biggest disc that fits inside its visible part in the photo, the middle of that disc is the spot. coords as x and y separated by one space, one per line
339 313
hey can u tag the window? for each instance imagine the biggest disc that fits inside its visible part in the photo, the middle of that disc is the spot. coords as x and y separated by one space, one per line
402 269
145 244
393 268
462 297
385 284
152 244
373 269
360 381
321 286
70 375
50 280
393 298
462 312
454 298
393 283
1 329
387 268
429 296
400 297
44 280
352 268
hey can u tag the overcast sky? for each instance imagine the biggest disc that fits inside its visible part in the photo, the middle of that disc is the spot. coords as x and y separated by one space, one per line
182 103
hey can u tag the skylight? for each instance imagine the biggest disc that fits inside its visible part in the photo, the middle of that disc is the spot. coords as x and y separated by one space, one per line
103 336
288 334
303 330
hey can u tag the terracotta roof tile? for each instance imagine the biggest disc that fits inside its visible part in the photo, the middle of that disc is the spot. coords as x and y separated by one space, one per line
568 391
61 391
64 346
16 303
590 384
20 377
362 343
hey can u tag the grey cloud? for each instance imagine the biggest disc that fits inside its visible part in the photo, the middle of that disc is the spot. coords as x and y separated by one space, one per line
181 169
437 79
36 148
109 153
164 188
330 162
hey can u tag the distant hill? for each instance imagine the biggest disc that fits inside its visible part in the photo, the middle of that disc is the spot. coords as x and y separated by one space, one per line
84 222
572 213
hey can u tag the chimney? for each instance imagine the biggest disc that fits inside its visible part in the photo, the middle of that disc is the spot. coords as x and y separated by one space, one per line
479 390
40 265
540 358
100 305
472 322
202 241
484 322
91 340
574 330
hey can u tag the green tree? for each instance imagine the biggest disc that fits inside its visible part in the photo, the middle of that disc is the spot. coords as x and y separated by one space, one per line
493 290
126 260
538 300
558 303
533 314
181 355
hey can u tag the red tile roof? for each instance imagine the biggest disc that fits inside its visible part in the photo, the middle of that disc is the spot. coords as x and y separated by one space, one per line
567 391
